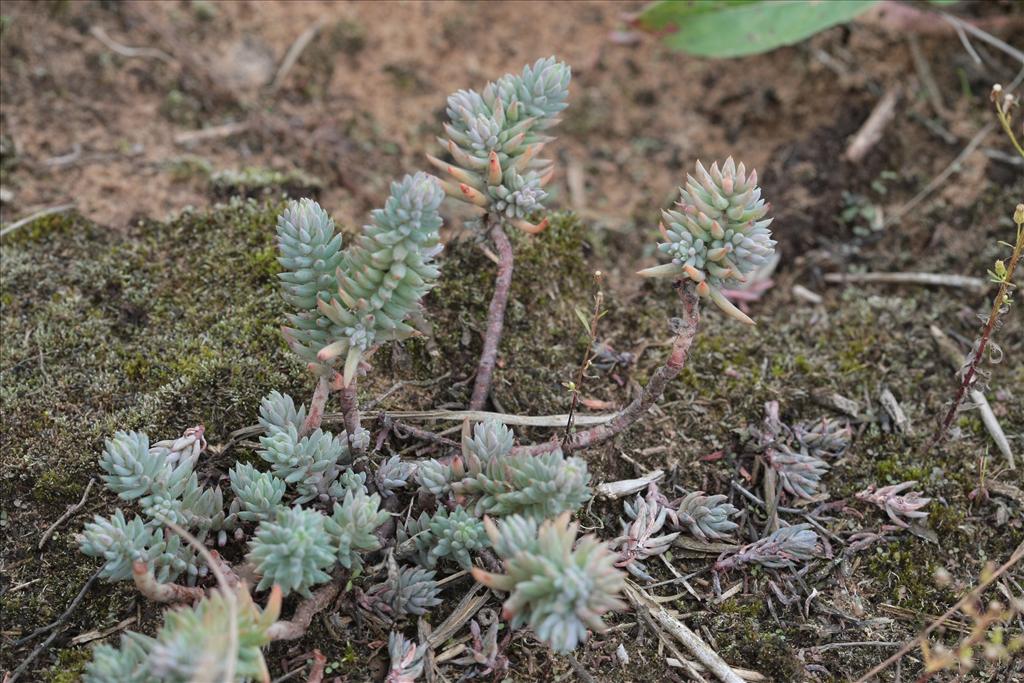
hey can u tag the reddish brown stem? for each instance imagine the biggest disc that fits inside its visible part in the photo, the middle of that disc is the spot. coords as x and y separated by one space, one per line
649 395
316 672
316 406
350 414
495 318
986 332
304 613
153 590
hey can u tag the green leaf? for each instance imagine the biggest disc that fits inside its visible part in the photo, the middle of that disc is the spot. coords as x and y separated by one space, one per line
733 28
583 319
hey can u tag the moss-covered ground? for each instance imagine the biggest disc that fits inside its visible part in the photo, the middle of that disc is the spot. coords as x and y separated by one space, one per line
175 324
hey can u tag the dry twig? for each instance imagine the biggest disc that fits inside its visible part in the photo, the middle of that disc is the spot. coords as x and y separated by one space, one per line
930 279
871 132
72 509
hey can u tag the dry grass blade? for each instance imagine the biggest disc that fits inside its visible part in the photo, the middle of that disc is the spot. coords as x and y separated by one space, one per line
463 612
690 640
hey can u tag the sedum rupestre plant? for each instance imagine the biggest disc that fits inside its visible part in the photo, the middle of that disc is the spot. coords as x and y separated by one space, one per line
315 512
491 479
719 233
559 586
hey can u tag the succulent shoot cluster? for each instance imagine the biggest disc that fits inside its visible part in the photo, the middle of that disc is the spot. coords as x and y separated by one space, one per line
495 136
348 301
559 586
219 639
718 235
310 510
490 479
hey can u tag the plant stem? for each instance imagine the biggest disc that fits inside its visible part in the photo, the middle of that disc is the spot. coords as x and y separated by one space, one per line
986 332
649 395
316 406
350 415
304 613
588 357
495 316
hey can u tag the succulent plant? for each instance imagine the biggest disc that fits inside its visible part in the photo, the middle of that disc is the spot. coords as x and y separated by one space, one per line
494 138
278 412
258 493
309 252
490 440
559 586
308 462
126 664
897 506
638 540
218 639
445 535
799 473
293 551
120 543
382 277
827 437
406 659
719 234
497 482
783 548
485 651
705 517
407 590
187 447
352 525
133 471
393 474
434 477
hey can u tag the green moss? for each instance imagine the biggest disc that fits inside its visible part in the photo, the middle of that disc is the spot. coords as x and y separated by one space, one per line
70 665
744 639
903 571
55 486
254 182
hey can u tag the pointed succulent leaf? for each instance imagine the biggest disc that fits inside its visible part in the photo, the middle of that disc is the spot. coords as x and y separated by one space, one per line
352 525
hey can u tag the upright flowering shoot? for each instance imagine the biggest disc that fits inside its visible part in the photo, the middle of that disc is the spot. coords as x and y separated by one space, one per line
719 234
494 138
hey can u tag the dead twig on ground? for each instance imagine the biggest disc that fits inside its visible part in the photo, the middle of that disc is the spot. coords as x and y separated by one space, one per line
685 331
100 34
613 490
930 279
212 133
295 51
72 509
54 627
690 640
871 132
942 177
495 315
42 213
924 73
405 383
